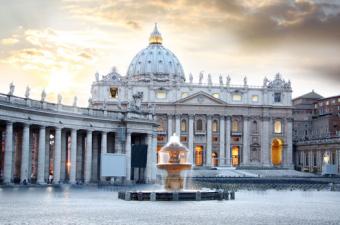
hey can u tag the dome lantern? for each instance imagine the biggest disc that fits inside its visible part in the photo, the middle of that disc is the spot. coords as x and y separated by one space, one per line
155 36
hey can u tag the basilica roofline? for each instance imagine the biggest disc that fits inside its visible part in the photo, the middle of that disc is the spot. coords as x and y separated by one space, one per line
41 107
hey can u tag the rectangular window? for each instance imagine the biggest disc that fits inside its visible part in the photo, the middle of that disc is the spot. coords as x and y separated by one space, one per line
277 97
114 92
237 97
161 94
184 139
255 98
327 102
277 127
216 95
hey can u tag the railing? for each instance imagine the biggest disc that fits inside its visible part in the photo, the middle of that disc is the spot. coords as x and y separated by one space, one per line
40 105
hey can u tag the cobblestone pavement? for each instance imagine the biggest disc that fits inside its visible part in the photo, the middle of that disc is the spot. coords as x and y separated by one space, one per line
91 205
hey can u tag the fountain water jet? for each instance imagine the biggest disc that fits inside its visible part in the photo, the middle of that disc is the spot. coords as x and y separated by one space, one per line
173 158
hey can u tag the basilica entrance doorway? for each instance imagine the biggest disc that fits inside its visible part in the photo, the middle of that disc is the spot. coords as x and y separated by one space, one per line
214 159
277 144
235 156
199 155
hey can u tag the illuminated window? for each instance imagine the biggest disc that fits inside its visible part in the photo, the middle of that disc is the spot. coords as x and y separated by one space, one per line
255 98
216 95
237 97
277 97
184 125
277 127
161 94
199 155
114 92
235 126
184 94
235 156
214 126
199 125
327 102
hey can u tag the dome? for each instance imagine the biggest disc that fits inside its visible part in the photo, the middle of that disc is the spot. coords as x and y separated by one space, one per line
155 63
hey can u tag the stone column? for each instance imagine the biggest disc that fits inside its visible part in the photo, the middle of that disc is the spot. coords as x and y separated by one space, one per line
63 160
25 153
191 139
128 155
47 154
228 142
73 156
209 144
8 153
265 141
289 140
57 155
246 147
103 150
88 157
222 142
169 126
41 156
154 157
149 162
178 125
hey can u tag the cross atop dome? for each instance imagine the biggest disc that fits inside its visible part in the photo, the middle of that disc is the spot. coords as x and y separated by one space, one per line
155 36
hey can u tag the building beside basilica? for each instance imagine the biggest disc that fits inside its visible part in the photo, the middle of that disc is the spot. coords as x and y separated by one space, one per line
133 116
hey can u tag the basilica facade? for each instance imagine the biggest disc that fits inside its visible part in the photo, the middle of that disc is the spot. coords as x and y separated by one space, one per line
222 124
133 115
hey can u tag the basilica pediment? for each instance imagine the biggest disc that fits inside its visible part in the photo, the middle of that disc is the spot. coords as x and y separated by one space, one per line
200 98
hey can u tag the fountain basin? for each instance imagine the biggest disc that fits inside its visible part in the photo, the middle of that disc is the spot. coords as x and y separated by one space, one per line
190 195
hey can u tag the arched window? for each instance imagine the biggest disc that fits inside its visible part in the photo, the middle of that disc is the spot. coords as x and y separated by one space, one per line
277 127
254 126
235 126
215 126
184 125
199 125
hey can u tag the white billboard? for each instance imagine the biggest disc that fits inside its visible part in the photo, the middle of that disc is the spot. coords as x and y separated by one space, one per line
113 165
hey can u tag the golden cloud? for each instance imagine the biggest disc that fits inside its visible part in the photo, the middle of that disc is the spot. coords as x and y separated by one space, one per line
9 41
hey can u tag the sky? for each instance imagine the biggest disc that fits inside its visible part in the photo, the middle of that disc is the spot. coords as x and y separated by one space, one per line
59 45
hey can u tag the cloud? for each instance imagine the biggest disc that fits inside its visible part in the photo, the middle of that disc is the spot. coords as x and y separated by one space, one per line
9 41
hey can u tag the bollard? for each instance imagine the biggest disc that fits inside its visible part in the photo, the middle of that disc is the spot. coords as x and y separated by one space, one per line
226 195
220 194
198 196
140 196
127 196
232 195
153 196
175 196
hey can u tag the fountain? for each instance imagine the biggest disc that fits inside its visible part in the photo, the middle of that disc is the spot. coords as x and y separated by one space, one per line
173 158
